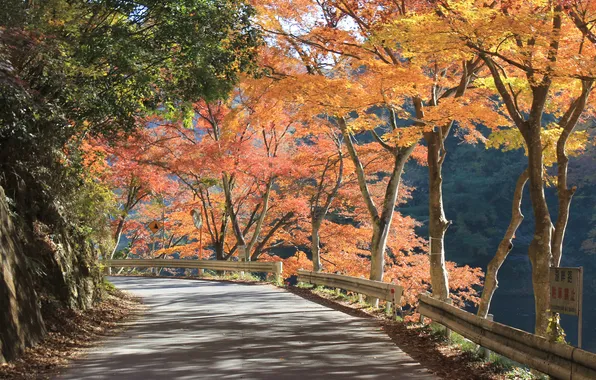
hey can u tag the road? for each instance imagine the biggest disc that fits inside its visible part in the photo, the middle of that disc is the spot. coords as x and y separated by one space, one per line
217 330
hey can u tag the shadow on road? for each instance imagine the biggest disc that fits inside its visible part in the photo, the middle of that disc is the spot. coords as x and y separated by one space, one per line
208 330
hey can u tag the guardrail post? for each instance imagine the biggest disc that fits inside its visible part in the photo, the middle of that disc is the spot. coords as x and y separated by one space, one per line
278 272
387 307
201 272
448 330
360 298
485 352
396 304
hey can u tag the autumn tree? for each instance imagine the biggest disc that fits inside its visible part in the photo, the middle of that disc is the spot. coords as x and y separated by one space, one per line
343 93
540 64
320 175
232 156
379 52
74 69
509 139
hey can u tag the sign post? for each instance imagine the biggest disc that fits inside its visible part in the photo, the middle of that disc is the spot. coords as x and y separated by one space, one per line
197 220
566 287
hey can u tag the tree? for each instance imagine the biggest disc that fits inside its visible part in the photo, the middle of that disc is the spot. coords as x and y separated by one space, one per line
131 182
539 66
321 175
74 69
344 93
388 63
233 157
508 139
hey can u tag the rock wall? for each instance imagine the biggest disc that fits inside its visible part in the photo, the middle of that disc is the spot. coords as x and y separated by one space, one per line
46 263
21 323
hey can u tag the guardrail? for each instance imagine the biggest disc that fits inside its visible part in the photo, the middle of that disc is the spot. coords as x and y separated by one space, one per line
559 360
382 290
235 266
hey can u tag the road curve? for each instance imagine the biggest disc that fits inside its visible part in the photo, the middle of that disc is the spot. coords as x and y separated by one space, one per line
216 330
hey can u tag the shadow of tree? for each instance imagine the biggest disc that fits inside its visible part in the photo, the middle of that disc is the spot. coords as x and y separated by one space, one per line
208 330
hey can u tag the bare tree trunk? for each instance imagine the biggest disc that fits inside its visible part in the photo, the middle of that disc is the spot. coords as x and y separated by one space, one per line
377 252
381 223
540 247
438 224
260 221
315 246
241 242
318 209
220 250
568 123
118 235
436 154
490 281
530 128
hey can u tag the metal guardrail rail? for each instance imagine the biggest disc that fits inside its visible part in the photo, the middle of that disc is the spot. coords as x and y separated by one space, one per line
377 289
555 359
235 266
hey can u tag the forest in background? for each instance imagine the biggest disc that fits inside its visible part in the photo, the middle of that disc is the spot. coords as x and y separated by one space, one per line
478 197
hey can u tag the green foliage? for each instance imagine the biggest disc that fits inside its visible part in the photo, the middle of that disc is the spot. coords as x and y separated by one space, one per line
90 207
72 69
554 329
108 286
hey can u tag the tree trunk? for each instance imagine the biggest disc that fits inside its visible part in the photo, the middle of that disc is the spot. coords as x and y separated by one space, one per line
315 246
260 221
241 242
318 211
220 253
381 223
568 123
377 250
540 247
436 154
490 281
118 236
438 224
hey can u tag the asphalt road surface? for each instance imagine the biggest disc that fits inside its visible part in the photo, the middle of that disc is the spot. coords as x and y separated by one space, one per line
217 330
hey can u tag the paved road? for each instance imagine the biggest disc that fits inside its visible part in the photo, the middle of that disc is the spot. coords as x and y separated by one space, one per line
213 330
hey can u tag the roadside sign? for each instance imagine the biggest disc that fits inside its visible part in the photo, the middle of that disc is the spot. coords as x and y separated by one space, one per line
197 219
154 226
565 290
566 285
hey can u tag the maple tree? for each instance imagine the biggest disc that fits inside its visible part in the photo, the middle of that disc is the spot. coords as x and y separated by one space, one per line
232 156
343 93
368 55
320 176
131 182
541 63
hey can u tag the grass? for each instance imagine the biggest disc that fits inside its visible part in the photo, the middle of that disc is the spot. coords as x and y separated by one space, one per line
510 368
232 276
211 275
107 286
343 296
